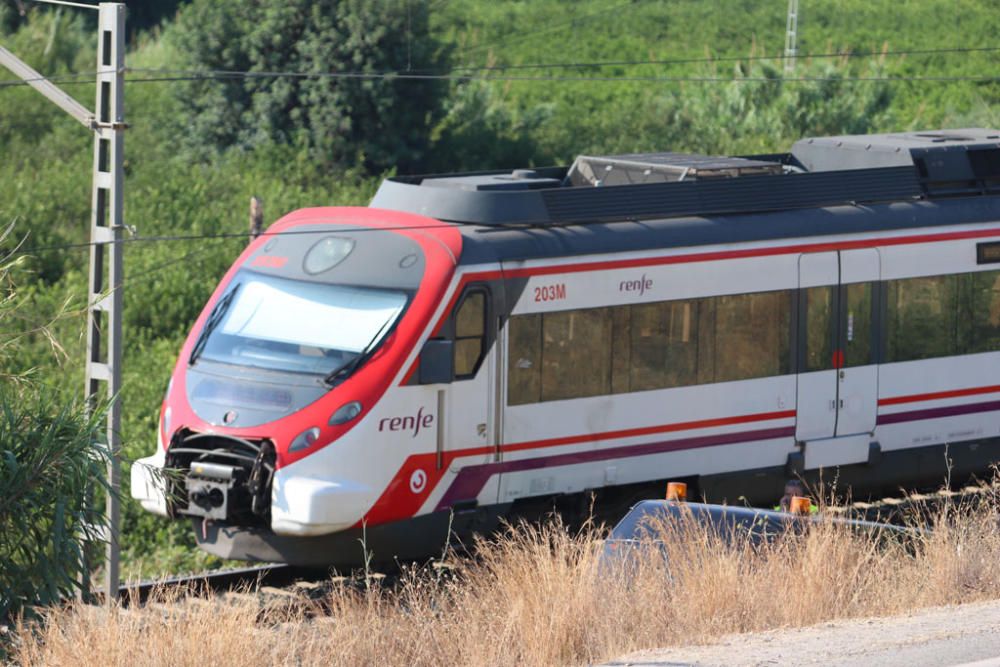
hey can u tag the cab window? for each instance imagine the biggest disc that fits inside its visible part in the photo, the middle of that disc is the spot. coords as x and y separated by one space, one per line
470 333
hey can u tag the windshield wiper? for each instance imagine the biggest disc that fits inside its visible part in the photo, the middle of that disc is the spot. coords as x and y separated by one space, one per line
348 367
213 321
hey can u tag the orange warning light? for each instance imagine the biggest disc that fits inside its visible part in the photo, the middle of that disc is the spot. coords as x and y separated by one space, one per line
800 505
677 491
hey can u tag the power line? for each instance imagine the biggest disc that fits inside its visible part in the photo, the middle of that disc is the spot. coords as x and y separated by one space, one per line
224 235
67 4
216 76
715 59
193 75
70 77
231 76
183 259
171 75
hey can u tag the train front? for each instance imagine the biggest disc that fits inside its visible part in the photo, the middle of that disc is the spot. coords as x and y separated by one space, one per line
260 441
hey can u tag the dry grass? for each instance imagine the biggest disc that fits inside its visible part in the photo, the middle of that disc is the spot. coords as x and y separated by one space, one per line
533 598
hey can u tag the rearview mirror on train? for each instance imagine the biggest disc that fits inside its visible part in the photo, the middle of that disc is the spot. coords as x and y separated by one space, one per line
437 362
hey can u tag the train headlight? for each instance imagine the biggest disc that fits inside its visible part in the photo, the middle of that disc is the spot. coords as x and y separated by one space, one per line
304 439
345 413
326 254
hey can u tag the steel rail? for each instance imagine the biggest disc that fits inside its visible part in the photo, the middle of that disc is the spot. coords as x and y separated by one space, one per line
217 581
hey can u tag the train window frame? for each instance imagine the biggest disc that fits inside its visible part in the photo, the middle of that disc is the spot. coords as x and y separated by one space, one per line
529 387
827 329
846 326
966 325
897 349
483 337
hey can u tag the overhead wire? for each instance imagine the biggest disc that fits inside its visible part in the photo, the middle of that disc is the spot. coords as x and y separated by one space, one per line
455 74
71 76
570 79
747 58
194 75
66 4
223 235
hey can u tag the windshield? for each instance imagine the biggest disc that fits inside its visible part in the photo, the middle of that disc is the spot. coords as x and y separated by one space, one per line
298 326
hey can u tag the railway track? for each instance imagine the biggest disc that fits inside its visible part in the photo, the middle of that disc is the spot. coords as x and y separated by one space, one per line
236 580
912 505
285 581
275 581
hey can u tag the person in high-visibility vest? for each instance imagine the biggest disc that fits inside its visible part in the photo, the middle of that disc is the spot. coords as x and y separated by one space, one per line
794 487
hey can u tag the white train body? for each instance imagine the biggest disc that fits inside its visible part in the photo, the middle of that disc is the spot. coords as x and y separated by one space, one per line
545 361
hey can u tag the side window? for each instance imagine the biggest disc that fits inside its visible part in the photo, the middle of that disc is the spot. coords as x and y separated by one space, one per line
751 338
922 318
981 303
858 335
818 314
621 350
524 360
664 345
470 333
576 354
641 347
939 316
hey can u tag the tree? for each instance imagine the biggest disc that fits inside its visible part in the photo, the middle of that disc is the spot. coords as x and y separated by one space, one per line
341 109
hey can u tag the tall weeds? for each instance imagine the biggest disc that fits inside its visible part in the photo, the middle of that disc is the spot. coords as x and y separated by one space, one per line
538 596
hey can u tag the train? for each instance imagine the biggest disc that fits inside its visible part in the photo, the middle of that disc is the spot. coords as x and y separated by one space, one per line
372 384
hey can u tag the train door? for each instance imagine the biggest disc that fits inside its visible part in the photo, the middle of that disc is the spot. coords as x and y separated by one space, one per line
838 378
468 403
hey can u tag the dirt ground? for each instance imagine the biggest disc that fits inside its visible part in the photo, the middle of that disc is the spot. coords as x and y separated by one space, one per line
953 635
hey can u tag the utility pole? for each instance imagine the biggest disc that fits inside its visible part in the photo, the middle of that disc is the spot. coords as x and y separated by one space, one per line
104 295
791 30
256 217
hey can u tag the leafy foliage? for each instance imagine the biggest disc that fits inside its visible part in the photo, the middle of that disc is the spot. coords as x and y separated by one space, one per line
482 129
349 121
48 464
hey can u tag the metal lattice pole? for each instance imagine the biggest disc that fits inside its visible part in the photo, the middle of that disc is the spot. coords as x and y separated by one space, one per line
791 35
104 297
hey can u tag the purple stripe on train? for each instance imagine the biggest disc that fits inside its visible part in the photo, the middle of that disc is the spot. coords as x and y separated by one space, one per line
471 479
934 413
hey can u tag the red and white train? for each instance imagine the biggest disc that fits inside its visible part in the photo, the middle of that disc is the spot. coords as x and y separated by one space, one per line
475 346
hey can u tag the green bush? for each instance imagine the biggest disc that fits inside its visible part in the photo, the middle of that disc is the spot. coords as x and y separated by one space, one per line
48 461
375 123
483 131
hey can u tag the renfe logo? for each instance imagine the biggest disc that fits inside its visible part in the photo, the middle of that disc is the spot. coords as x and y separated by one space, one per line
415 424
640 285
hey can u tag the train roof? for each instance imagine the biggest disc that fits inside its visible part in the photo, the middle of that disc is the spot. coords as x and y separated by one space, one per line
817 172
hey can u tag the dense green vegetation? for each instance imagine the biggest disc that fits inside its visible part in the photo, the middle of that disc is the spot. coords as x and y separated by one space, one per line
198 150
48 466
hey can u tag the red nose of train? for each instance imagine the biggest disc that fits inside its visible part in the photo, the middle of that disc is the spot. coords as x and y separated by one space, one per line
303 335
